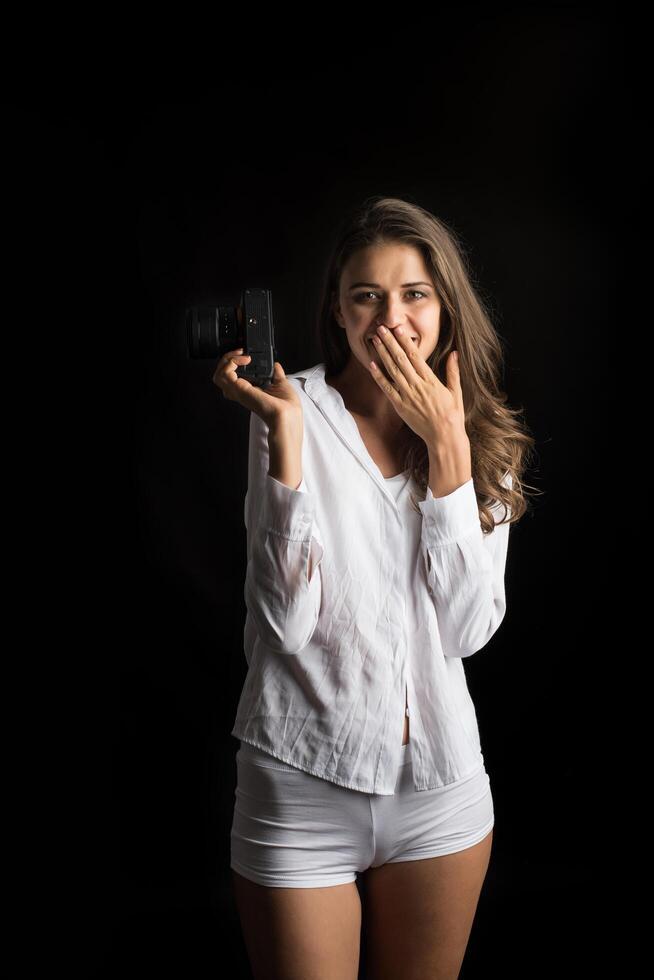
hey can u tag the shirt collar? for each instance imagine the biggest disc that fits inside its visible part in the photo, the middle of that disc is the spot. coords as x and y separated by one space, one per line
331 404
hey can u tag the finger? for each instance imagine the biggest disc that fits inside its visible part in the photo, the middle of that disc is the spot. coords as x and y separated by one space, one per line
228 355
383 382
395 370
454 376
406 354
239 357
238 390
230 370
227 368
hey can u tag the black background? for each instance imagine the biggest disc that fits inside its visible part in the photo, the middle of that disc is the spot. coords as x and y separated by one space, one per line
141 183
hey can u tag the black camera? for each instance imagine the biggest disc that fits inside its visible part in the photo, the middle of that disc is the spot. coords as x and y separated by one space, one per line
214 330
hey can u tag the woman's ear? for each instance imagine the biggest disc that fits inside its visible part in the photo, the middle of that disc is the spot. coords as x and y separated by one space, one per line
336 310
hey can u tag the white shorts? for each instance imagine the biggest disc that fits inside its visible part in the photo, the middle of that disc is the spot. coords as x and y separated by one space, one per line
294 830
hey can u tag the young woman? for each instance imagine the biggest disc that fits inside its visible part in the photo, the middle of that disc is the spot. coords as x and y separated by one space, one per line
382 483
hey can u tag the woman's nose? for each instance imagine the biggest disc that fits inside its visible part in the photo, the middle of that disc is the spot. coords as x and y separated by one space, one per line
391 316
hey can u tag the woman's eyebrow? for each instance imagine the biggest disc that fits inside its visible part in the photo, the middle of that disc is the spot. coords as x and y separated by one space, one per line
376 285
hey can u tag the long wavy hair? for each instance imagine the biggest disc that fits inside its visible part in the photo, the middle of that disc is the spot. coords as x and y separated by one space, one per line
500 441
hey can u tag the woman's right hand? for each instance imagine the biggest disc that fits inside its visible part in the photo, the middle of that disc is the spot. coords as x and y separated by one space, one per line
275 404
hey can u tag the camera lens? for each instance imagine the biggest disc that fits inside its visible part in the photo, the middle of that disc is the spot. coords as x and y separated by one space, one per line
212 330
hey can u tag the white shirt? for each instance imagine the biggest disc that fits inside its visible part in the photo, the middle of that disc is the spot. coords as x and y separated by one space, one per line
396 600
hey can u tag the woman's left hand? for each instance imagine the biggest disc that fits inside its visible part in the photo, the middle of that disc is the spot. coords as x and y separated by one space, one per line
433 410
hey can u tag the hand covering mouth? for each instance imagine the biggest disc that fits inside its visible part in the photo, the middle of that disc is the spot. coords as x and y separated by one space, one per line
369 338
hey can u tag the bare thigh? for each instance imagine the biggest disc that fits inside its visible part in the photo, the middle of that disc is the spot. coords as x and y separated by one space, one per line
300 933
419 914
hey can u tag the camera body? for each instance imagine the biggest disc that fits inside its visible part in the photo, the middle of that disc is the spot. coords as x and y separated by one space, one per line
214 330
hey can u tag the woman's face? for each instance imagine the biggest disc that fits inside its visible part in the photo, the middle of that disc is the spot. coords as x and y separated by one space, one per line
388 285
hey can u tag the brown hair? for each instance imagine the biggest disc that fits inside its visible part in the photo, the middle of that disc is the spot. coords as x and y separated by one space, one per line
501 445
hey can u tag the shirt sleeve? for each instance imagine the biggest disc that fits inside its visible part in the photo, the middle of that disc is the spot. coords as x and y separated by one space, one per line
283 586
465 568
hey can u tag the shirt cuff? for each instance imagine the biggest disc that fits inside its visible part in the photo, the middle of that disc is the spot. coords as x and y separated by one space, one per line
446 519
287 512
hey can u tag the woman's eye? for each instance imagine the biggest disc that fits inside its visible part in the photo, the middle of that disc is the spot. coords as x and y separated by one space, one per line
360 296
